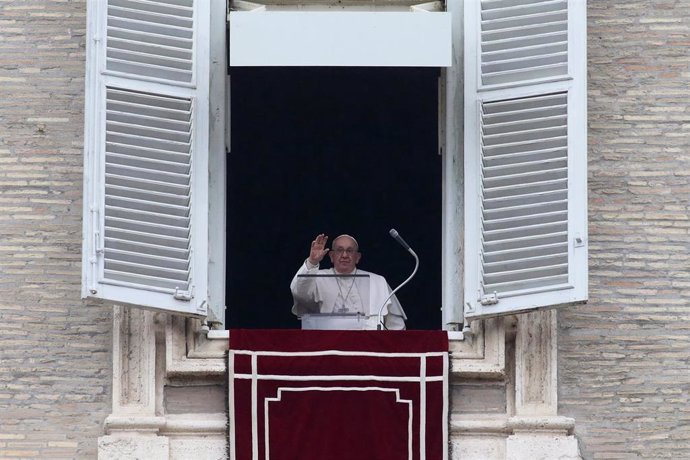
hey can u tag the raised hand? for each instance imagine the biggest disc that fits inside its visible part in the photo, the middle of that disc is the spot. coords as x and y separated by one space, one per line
318 249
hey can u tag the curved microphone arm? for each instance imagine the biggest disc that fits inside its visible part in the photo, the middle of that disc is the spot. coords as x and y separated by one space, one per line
380 324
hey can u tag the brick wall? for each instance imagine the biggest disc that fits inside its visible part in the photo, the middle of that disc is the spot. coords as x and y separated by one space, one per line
55 364
625 357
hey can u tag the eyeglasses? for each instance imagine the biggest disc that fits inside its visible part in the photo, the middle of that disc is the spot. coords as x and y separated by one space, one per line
348 251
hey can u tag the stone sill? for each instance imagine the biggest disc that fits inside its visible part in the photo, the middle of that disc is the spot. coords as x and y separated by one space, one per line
172 424
191 352
215 334
507 425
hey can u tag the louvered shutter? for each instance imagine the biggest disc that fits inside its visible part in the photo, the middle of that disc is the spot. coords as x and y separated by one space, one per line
525 155
146 154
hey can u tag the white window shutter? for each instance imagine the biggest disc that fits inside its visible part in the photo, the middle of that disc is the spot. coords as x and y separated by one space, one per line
525 155
146 154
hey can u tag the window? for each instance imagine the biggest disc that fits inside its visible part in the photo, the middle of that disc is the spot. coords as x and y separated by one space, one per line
514 225
333 150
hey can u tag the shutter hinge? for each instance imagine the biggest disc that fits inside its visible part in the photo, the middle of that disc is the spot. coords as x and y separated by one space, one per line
183 295
489 299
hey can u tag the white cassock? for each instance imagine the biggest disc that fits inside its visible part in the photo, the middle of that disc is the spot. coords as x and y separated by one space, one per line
345 295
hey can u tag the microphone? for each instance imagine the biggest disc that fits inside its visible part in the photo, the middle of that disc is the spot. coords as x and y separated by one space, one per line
396 236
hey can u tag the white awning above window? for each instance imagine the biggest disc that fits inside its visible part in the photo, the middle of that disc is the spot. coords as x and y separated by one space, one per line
340 39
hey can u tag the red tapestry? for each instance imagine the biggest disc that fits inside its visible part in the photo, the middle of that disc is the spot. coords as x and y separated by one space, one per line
338 395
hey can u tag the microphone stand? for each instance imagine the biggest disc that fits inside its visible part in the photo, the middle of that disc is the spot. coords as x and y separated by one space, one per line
380 326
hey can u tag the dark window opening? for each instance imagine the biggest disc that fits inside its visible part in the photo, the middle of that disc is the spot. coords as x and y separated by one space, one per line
331 150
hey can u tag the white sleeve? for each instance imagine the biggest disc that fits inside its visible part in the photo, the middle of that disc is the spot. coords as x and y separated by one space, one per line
394 322
395 319
304 293
393 314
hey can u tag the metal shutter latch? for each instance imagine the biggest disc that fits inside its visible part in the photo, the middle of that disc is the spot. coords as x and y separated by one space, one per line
489 299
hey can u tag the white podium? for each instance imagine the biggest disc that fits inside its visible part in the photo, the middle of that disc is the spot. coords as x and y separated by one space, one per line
344 302
338 321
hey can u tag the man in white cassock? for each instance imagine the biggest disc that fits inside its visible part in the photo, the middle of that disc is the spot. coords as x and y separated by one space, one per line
347 294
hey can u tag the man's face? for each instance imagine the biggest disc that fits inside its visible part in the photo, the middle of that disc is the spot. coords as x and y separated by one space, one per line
344 254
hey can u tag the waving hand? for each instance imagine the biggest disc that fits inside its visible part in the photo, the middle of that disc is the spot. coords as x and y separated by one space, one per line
318 249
